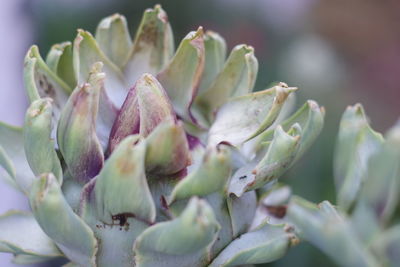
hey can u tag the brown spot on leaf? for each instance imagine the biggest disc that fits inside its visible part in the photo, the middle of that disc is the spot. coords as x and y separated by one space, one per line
277 211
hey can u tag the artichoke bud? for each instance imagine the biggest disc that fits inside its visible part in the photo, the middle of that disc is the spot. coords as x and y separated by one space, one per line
38 144
76 133
145 107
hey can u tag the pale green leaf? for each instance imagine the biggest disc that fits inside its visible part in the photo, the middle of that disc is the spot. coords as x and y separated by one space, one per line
244 117
235 79
182 75
87 52
210 176
183 241
328 230
20 234
153 46
121 186
265 244
39 146
355 144
72 236
12 143
113 37
59 60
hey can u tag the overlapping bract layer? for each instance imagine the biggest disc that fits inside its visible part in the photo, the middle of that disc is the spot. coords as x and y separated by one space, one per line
157 154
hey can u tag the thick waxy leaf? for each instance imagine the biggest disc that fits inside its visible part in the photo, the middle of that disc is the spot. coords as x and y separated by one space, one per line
167 149
209 177
310 118
30 259
59 60
237 78
183 241
21 234
86 53
245 117
272 205
13 158
76 133
74 238
39 146
117 233
145 107
153 45
278 158
355 145
265 244
218 203
105 120
380 192
329 231
215 53
40 81
387 246
113 37
182 76
242 210
8 173
121 187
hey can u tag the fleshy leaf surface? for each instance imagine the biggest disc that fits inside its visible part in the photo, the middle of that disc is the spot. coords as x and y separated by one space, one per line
210 176
59 60
278 158
21 234
76 132
181 77
146 106
72 236
379 195
112 36
356 143
183 241
167 149
121 187
13 156
328 230
310 118
265 244
215 53
117 233
87 52
39 146
245 117
237 78
153 46
40 81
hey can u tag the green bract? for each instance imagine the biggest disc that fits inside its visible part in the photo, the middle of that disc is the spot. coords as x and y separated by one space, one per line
137 154
362 230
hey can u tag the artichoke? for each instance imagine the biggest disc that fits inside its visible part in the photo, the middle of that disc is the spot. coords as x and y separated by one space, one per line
137 154
363 229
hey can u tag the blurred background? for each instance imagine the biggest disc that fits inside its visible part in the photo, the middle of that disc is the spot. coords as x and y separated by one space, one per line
337 52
